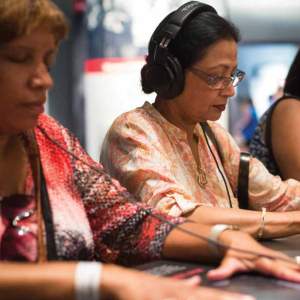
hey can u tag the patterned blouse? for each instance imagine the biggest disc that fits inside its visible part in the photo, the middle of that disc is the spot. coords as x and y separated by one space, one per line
152 158
261 145
94 217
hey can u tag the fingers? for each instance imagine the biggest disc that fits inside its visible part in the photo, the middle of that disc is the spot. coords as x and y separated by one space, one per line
279 269
193 281
227 268
171 289
213 294
252 256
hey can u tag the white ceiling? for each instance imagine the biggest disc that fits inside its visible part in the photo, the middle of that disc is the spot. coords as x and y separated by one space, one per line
262 20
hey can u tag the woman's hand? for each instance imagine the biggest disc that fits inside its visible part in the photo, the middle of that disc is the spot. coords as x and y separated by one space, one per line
237 261
123 284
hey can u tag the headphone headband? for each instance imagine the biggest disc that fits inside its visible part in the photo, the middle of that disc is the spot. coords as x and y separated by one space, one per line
169 27
163 70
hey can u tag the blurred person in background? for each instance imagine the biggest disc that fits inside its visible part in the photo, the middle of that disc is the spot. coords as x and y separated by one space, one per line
276 141
245 126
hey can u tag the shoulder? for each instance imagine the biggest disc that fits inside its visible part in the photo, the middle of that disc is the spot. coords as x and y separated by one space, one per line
287 105
48 122
217 128
224 138
50 125
285 113
134 116
280 110
51 129
138 121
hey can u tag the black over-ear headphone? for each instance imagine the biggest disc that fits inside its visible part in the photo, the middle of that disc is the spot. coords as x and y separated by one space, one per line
164 69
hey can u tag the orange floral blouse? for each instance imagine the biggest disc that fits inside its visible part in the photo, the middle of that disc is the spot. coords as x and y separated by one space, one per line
152 158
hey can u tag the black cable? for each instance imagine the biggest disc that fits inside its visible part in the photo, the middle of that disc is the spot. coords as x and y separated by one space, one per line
219 169
164 220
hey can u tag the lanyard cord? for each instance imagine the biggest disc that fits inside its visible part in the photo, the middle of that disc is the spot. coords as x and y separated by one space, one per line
149 211
46 236
219 169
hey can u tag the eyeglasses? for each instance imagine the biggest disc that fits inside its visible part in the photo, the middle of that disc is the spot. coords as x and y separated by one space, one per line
19 239
16 222
216 82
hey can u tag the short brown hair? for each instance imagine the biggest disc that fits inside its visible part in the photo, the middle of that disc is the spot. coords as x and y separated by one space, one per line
20 17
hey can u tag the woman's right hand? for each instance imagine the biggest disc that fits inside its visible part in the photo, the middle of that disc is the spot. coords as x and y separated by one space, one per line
123 284
245 255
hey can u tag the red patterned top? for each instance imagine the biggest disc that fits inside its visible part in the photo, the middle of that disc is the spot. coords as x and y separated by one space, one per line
94 217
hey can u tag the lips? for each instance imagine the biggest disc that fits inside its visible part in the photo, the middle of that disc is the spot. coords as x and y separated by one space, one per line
220 107
35 107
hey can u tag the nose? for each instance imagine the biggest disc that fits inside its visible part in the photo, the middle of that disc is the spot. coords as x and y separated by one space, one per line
229 91
41 77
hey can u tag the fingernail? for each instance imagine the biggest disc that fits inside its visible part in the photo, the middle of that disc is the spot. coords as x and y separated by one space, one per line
195 280
247 297
240 297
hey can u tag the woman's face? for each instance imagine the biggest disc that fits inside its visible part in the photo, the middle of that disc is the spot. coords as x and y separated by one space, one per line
198 101
25 79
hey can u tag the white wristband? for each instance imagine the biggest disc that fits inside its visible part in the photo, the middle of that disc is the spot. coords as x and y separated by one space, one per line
87 280
215 232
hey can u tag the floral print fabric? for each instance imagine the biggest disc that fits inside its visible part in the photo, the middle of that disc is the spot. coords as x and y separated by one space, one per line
152 158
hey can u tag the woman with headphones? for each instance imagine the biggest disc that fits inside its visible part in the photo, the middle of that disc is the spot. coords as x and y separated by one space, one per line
173 155
61 215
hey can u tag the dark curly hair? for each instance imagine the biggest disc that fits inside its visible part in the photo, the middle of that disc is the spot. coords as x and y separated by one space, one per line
191 43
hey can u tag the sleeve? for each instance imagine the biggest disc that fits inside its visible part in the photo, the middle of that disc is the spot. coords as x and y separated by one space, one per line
265 189
139 154
124 231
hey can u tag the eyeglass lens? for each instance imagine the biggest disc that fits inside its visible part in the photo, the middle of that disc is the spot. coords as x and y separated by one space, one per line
19 226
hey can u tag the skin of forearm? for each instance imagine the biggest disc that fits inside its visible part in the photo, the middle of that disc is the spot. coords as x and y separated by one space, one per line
111 282
277 224
37 281
113 285
50 281
181 245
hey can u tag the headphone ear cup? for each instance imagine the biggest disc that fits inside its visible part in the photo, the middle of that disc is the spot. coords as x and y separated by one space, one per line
158 76
176 85
163 89
164 76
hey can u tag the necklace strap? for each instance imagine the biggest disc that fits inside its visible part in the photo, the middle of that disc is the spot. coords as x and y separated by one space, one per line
46 241
201 175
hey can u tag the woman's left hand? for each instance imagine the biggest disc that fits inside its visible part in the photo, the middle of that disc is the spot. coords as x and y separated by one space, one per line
280 265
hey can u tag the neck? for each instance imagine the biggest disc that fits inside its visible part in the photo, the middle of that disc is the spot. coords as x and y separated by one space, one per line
13 165
171 112
6 143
